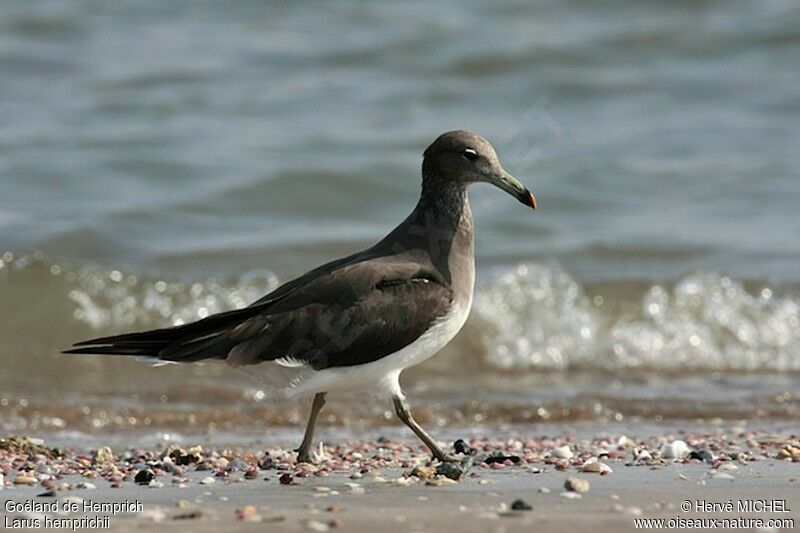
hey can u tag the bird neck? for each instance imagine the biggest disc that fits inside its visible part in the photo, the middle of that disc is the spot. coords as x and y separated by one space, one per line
440 227
441 223
443 203
441 219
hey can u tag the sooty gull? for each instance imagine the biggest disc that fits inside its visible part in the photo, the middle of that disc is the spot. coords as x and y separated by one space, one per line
363 319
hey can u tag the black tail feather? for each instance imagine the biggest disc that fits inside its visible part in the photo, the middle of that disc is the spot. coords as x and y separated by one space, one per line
113 350
199 340
156 335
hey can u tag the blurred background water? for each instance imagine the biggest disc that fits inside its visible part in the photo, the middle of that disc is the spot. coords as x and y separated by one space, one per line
160 161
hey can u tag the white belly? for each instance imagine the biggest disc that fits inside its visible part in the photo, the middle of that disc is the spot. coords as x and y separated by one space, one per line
385 372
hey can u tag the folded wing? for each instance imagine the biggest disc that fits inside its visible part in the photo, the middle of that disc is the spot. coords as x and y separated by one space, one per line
353 315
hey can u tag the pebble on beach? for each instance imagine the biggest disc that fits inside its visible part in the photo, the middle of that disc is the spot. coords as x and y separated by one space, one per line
144 477
103 456
248 513
596 467
642 456
521 505
576 484
501 459
423 472
25 479
563 452
451 470
702 455
315 525
674 450
789 452
460 446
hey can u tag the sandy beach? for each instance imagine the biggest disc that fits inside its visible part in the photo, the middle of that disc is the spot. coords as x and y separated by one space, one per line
728 473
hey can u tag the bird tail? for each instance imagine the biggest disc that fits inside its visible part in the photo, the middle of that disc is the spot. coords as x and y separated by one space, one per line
204 339
143 344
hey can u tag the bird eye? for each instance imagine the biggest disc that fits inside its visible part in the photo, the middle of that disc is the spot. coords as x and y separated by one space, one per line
470 154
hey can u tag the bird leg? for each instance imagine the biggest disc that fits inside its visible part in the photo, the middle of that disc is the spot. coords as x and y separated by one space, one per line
303 455
401 408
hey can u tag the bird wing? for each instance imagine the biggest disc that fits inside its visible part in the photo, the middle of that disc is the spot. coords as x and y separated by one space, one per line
353 314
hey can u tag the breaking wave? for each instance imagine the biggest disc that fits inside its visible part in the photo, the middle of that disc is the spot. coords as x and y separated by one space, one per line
538 316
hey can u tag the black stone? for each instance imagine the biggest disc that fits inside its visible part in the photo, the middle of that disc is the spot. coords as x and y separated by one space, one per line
520 505
501 459
462 447
702 455
143 477
451 470
185 460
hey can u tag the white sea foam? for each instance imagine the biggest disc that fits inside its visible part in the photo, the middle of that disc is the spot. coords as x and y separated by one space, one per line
539 317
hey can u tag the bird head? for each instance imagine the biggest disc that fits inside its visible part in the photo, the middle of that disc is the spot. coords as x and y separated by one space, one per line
464 157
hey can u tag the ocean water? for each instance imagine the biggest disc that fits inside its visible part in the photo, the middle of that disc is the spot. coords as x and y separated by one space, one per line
161 161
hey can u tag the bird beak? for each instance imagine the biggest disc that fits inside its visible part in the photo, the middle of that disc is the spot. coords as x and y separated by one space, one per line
512 186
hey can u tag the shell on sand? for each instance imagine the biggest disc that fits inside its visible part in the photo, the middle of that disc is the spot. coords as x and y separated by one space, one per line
675 450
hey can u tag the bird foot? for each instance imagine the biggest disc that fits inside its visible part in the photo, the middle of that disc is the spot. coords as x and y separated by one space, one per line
315 457
455 468
305 458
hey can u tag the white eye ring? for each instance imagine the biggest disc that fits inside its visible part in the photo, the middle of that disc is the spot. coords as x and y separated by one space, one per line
470 154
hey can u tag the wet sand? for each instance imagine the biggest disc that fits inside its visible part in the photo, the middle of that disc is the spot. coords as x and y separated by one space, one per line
387 484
